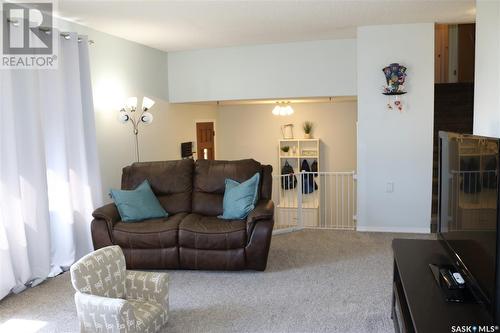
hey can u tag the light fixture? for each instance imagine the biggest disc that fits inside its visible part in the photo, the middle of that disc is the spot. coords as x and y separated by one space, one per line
147 118
283 109
128 113
147 103
123 117
132 103
276 110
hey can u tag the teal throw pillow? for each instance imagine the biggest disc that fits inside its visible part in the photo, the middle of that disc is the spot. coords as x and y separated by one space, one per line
139 204
240 199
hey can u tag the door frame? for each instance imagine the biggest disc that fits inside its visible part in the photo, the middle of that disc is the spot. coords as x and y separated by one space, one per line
206 120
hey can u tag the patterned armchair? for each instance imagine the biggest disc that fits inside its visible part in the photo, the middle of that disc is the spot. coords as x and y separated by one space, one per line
110 298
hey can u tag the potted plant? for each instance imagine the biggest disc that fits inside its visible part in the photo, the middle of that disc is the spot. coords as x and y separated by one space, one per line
308 127
285 150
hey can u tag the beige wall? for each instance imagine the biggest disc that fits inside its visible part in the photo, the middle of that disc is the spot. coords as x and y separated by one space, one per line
173 124
251 131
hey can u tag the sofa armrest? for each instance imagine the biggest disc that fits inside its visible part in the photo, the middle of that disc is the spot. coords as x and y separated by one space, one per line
264 210
147 286
108 213
103 314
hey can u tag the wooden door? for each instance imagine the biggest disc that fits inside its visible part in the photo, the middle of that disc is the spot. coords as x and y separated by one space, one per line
466 52
441 53
205 137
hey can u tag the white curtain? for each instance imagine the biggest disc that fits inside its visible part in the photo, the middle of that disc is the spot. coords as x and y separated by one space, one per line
49 174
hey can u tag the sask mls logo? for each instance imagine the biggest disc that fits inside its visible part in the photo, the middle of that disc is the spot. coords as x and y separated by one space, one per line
28 41
474 329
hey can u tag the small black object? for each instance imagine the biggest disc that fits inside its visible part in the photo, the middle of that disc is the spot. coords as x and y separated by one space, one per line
314 168
308 183
447 279
452 291
186 150
289 182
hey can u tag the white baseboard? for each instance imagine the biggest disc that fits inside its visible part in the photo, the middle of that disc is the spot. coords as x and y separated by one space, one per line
286 231
410 230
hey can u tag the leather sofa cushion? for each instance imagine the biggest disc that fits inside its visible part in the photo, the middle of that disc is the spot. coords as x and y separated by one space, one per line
209 182
212 259
167 258
152 258
149 234
171 182
210 233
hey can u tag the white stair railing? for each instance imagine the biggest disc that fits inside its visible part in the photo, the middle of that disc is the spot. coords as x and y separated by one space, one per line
319 200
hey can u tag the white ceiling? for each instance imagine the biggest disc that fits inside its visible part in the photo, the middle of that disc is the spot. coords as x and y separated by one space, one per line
184 25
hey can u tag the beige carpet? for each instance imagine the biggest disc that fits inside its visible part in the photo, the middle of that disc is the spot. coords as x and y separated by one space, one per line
316 281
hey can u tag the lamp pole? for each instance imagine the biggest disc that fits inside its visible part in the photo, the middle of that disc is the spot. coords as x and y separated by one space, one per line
136 134
128 113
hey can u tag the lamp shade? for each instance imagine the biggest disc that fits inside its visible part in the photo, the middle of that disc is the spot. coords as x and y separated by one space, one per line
147 103
132 102
147 118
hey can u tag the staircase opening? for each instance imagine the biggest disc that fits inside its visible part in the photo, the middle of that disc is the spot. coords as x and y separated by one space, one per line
453 90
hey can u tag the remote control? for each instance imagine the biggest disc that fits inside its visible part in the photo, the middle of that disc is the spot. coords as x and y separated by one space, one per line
458 278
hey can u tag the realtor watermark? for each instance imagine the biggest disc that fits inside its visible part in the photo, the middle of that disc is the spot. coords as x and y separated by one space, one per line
474 328
28 41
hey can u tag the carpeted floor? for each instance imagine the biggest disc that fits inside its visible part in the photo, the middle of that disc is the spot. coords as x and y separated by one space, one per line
316 281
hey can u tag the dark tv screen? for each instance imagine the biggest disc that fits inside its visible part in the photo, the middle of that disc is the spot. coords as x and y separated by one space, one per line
468 201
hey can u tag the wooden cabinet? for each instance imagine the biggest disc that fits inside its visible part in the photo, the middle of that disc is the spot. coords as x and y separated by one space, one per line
417 301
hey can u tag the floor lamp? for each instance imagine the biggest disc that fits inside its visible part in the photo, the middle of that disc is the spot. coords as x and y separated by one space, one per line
129 114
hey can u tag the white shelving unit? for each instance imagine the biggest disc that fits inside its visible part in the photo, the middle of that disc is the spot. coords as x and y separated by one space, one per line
300 149
288 206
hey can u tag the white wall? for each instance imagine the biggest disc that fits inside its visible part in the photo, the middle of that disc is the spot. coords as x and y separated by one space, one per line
318 68
487 69
252 131
395 147
120 69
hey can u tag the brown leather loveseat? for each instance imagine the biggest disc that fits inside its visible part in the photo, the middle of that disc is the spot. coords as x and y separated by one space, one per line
191 237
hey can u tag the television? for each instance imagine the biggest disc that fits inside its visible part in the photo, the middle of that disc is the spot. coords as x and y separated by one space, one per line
468 212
